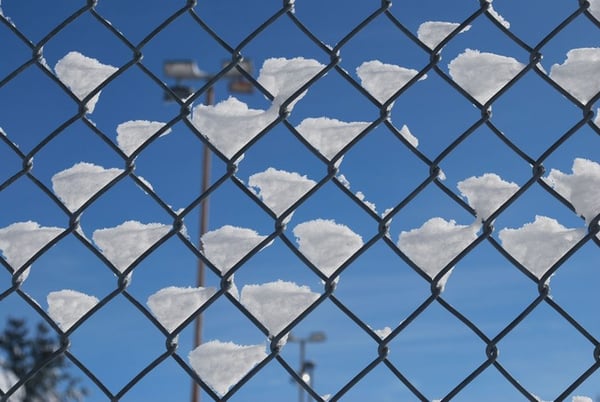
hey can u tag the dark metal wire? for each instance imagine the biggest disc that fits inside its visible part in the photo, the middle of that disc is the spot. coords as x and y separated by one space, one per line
380 355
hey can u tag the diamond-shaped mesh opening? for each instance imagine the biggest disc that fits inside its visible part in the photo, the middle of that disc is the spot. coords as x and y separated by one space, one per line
400 201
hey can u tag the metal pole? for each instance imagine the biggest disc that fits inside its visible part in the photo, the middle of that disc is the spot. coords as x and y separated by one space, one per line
210 99
301 370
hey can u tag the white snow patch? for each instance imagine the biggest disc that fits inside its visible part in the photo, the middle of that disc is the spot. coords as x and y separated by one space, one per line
66 307
276 304
383 333
580 73
486 193
330 136
173 305
582 399
279 189
77 184
408 136
538 245
225 246
8 379
594 8
432 246
371 205
326 244
432 33
282 77
82 75
132 134
581 188
384 80
482 75
223 364
230 124
22 240
124 243
498 17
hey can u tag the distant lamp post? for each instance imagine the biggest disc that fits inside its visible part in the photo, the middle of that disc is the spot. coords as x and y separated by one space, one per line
188 70
307 367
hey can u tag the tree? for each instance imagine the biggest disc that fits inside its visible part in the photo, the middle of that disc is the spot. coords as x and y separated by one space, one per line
23 353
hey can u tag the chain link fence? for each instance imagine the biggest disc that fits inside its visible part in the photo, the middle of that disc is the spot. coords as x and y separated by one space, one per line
407 255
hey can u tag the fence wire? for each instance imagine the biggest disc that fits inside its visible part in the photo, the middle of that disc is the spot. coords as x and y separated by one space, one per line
382 357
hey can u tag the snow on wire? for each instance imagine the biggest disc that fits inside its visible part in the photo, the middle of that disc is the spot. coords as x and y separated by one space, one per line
433 249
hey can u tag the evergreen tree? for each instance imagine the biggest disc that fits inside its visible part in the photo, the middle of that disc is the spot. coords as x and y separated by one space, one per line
23 353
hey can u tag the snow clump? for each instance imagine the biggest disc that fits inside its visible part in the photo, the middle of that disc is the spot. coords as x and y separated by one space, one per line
276 304
173 305
132 134
226 246
223 364
581 188
482 75
76 185
125 243
326 244
82 75
432 33
22 240
66 307
283 77
580 73
486 193
540 244
330 136
279 189
437 242
384 80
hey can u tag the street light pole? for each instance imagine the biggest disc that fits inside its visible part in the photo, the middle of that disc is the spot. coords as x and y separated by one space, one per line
189 70
306 367
206 163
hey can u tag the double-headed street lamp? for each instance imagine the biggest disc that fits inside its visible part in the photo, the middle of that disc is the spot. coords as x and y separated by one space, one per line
188 70
307 367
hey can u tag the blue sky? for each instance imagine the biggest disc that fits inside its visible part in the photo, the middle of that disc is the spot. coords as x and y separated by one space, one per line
436 352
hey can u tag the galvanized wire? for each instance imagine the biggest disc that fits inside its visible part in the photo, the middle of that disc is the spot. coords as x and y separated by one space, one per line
489 360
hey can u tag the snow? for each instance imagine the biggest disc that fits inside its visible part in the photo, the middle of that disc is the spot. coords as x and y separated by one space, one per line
22 240
76 185
230 124
538 245
498 17
8 378
483 74
279 189
432 33
282 77
408 136
326 244
580 73
581 399
124 243
223 364
276 304
486 193
594 8
132 134
329 136
581 188
226 246
82 75
383 333
384 80
173 305
66 307
437 242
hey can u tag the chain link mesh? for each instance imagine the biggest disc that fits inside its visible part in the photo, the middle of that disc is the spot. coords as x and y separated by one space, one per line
228 174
